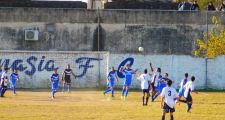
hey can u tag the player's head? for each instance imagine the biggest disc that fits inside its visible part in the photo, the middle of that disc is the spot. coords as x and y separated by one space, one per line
15 70
128 66
192 78
159 70
6 69
169 82
55 70
145 71
68 66
186 75
166 75
112 69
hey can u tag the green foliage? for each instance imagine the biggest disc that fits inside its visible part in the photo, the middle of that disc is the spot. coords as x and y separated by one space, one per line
203 3
214 44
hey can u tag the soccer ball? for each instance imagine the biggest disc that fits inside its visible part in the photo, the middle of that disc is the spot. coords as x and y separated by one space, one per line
140 49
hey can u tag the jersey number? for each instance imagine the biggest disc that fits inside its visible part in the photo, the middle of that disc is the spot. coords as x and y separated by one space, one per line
169 93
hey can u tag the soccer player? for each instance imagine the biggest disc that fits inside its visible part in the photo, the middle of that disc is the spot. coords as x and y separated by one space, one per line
13 78
182 84
55 81
110 81
4 81
189 88
0 77
128 79
160 86
145 80
167 103
66 76
156 77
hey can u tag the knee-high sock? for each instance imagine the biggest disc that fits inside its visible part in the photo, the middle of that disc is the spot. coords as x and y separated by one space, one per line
14 90
0 89
189 106
123 91
69 86
171 117
63 88
155 96
112 92
106 90
163 117
53 93
3 91
143 100
147 100
127 91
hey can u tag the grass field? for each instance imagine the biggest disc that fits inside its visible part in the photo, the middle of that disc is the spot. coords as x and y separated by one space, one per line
92 105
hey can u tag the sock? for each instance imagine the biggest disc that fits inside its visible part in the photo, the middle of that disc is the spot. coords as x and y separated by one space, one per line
127 92
171 117
69 88
147 100
113 92
53 93
63 88
106 90
123 91
189 106
14 90
0 89
143 100
155 96
163 117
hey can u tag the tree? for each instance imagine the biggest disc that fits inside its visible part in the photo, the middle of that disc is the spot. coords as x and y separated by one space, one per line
213 44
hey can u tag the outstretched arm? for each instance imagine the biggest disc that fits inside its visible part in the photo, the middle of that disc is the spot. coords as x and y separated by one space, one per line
151 68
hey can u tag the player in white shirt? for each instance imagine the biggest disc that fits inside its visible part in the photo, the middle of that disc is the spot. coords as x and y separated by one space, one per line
189 88
145 80
167 104
4 81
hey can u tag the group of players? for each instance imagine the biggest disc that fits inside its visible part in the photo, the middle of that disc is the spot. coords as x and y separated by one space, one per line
155 84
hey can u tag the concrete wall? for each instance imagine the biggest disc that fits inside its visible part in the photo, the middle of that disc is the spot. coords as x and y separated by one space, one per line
120 31
35 68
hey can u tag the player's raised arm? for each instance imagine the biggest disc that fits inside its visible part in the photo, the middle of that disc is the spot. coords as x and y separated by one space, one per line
151 68
116 77
121 69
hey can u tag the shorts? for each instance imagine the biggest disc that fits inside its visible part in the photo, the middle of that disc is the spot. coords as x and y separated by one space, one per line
189 98
168 109
55 86
127 83
145 90
68 81
160 87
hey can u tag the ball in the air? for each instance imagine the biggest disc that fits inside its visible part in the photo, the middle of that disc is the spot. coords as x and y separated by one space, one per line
140 49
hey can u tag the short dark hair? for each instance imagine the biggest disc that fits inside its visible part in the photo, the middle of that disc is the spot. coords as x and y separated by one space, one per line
193 78
6 68
169 82
158 69
167 74
186 75
145 71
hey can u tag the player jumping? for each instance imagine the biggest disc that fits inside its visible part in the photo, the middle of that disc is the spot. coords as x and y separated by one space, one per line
189 88
145 80
110 81
167 103
13 78
154 81
128 79
182 84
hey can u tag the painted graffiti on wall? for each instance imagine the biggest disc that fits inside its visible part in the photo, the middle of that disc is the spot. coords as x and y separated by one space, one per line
29 67
129 60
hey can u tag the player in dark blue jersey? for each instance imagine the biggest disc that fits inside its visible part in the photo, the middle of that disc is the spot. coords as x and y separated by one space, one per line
110 81
55 82
128 79
66 76
13 78
182 84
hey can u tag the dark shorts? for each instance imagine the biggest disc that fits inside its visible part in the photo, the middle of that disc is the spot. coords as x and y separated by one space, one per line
168 109
68 81
145 90
189 98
